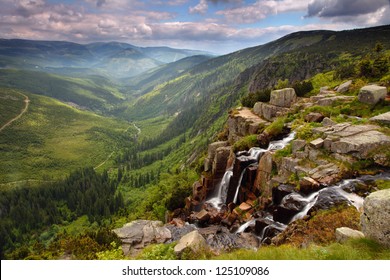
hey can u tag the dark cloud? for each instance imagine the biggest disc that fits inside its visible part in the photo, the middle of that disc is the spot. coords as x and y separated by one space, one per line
342 8
100 3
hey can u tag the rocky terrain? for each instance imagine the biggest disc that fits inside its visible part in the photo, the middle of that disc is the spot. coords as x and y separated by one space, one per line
300 168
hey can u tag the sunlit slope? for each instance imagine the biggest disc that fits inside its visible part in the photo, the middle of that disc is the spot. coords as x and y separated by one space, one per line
51 138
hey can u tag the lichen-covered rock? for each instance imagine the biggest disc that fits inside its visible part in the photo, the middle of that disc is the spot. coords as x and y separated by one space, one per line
372 94
283 97
212 149
344 87
242 123
220 161
326 174
314 117
297 145
264 174
376 216
268 111
140 233
343 234
193 240
329 101
382 118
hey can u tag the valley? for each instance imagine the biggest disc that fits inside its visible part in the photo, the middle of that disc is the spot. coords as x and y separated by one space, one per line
155 130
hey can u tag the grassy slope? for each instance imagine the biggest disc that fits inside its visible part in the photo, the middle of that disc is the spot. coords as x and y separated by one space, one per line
52 139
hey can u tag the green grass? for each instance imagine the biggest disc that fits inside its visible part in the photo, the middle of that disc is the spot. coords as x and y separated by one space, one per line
355 249
52 138
11 104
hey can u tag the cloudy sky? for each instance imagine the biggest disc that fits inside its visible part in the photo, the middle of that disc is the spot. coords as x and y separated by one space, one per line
219 26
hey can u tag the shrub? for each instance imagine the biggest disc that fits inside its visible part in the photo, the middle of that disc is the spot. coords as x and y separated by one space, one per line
259 96
245 143
276 127
302 88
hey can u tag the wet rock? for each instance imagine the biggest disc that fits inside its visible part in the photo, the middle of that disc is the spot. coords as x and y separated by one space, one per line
376 216
343 234
344 87
289 207
281 191
328 198
283 97
193 240
314 117
179 232
372 94
382 118
264 174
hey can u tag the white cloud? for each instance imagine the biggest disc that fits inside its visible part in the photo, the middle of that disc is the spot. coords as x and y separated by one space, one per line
262 9
201 8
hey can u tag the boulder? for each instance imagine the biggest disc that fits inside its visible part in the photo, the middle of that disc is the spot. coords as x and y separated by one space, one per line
382 118
331 100
314 117
212 149
376 216
297 145
308 185
245 207
317 143
344 87
326 174
269 111
327 122
140 233
343 234
202 216
283 97
193 240
328 198
372 94
281 191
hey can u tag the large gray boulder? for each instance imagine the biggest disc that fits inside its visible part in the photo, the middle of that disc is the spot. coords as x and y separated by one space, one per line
140 233
372 94
344 87
193 240
268 111
283 97
376 216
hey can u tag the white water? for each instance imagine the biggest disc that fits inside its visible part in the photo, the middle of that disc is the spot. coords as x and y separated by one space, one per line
352 198
256 152
221 190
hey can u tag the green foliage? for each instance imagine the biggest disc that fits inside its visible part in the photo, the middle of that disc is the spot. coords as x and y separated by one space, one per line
383 184
285 152
115 253
282 84
245 143
84 192
345 71
276 127
158 252
302 88
259 96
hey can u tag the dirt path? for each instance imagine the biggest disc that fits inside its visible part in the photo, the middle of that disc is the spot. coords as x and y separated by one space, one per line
110 155
27 102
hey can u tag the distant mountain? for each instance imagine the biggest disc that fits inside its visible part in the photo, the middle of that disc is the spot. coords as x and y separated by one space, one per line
145 82
113 59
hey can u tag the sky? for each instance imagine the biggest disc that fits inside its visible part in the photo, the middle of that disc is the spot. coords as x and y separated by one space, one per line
217 26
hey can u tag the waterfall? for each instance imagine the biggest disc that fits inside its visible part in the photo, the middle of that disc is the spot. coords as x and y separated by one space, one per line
220 192
219 196
352 198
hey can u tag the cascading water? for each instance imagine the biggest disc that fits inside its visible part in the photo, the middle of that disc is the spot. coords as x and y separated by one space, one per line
219 197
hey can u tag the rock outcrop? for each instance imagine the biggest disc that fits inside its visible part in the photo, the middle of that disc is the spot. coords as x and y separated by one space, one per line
140 233
242 123
280 102
382 118
376 216
372 94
